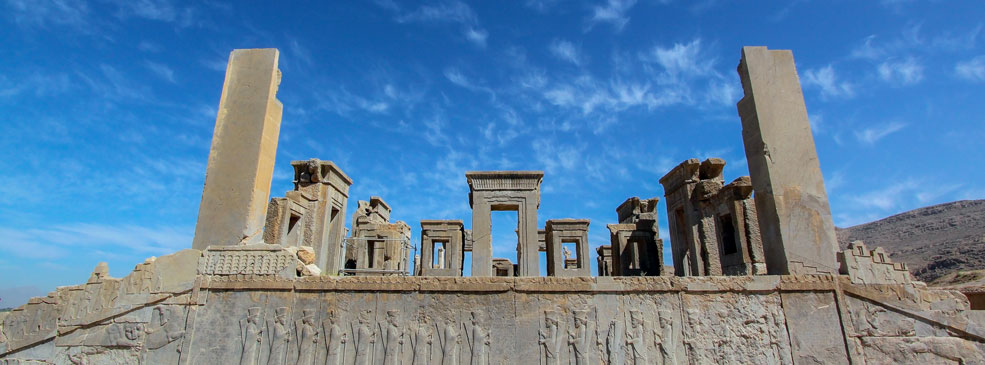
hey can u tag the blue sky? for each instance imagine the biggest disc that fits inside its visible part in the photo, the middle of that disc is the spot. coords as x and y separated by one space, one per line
108 108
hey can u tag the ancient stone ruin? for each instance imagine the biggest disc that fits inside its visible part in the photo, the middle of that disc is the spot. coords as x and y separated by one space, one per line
756 277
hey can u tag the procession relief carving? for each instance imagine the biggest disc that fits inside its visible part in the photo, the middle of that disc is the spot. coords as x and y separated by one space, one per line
450 341
578 338
550 339
611 346
479 341
166 326
393 340
252 335
364 338
279 336
636 337
664 337
308 335
421 341
335 340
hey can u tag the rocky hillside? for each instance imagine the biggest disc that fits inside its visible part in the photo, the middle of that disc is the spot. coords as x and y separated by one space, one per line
935 241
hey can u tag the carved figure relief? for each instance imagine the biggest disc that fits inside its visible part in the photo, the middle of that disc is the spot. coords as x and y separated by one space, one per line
550 339
421 342
578 338
480 341
665 338
365 340
124 334
394 340
279 335
252 335
335 340
308 337
451 342
636 337
611 348
165 327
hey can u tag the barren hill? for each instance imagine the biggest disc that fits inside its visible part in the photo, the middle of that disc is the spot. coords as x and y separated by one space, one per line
934 241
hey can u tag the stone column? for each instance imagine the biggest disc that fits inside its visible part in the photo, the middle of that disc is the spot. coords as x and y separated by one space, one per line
529 262
794 216
244 145
482 236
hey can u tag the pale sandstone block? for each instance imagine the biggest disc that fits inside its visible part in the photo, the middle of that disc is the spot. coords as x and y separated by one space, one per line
244 145
792 205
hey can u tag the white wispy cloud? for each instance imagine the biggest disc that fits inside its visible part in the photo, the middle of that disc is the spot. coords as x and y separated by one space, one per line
148 46
43 14
826 80
161 70
62 240
972 70
908 71
566 51
477 36
449 11
682 59
888 197
873 134
612 12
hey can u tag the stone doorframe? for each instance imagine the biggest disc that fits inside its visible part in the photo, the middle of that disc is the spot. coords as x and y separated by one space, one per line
452 236
560 231
504 191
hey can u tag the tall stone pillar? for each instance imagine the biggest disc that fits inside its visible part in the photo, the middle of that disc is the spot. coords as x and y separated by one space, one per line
482 233
244 145
794 216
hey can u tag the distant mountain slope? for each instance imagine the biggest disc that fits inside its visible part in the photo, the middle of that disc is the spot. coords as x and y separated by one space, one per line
934 241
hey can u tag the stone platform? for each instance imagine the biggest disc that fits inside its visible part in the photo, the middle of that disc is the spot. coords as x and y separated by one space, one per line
187 318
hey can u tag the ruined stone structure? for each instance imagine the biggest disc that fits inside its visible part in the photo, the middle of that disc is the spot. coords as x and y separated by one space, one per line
510 191
313 214
864 266
267 302
794 216
377 246
604 260
637 249
714 228
564 231
449 258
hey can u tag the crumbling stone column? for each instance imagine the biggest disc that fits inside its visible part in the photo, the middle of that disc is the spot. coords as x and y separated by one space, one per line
244 145
792 205
637 249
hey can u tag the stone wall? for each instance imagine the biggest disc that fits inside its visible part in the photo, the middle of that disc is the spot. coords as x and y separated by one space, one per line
182 318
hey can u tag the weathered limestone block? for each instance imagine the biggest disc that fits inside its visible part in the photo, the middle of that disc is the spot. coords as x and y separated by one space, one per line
241 160
259 259
503 267
864 266
815 330
735 328
921 350
792 205
510 191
